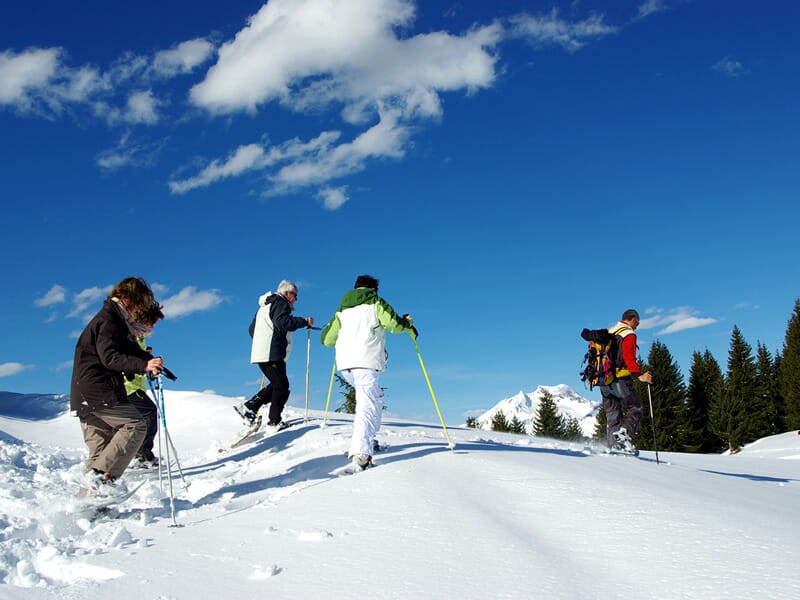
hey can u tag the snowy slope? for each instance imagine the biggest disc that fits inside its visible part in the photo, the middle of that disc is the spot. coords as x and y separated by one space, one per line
524 405
500 516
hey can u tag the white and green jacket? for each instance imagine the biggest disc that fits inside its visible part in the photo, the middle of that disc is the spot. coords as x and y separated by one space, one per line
358 330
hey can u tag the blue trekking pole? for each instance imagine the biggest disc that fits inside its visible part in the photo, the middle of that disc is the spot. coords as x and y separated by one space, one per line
158 395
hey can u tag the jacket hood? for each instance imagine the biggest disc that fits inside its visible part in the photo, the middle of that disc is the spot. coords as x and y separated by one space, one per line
356 297
262 300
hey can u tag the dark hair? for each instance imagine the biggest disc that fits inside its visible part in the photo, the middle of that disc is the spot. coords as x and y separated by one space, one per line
152 314
366 281
630 314
136 291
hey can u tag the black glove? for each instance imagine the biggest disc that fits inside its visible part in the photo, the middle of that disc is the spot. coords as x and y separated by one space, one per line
416 333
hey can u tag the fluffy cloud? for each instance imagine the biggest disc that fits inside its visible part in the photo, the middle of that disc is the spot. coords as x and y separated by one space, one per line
674 320
190 300
38 81
55 295
23 74
312 55
333 198
183 58
306 53
12 368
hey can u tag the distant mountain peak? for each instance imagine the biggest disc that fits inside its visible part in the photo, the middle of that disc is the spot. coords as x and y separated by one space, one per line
523 406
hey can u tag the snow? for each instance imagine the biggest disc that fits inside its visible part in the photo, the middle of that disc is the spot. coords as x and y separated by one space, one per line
499 516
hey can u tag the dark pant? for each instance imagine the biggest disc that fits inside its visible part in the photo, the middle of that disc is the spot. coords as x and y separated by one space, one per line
276 394
618 396
149 411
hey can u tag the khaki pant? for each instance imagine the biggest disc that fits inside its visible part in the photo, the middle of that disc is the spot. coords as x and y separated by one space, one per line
113 436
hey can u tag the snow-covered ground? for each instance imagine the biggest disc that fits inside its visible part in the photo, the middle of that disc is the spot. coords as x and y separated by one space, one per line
500 516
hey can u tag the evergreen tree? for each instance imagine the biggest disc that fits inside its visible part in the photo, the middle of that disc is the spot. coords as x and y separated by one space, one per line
705 384
572 430
789 370
600 426
472 422
669 403
767 389
499 422
349 404
516 426
548 422
736 414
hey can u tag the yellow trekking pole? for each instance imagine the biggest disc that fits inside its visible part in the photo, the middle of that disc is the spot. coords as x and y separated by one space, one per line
450 443
330 388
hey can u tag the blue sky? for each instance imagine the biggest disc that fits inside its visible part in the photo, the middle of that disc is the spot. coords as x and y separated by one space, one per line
511 171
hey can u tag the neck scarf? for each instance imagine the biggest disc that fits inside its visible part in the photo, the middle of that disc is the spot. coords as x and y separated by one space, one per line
135 328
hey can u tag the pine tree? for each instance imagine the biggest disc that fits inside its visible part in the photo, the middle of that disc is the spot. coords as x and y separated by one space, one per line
349 404
767 390
573 431
789 370
733 417
516 426
705 384
600 426
499 422
472 422
669 402
548 422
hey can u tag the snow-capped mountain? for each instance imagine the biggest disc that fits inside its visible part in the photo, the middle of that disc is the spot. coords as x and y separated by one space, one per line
524 405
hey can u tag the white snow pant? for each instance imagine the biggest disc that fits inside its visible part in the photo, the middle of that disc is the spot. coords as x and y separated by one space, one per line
369 407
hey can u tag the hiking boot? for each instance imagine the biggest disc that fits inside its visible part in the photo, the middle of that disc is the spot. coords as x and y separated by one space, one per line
361 461
97 484
140 462
622 441
246 413
276 427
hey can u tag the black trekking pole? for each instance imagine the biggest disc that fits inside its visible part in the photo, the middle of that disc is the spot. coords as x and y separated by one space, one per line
653 419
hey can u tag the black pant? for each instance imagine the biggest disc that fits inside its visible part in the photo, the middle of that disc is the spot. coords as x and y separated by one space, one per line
149 411
618 397
276 394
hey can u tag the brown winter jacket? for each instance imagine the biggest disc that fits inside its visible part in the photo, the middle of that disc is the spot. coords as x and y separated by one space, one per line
104 351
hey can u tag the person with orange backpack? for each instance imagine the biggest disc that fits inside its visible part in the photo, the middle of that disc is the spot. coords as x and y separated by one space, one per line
620 394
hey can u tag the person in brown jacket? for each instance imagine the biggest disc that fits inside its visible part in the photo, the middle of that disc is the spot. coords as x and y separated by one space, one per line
112 427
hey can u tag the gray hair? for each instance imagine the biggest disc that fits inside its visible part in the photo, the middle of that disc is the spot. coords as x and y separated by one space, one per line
286 286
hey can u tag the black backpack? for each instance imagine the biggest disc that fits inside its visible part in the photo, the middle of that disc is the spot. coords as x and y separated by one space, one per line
599 358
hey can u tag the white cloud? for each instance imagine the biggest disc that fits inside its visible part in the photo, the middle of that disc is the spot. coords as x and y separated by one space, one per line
129 153
674 320
333 198
55 295
190 300
730 68
244 158
315 52
85 300
183 58
552 30
651 7
12 368
142 108
23 74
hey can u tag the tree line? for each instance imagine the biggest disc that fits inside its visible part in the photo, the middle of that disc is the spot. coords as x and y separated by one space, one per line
758 395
